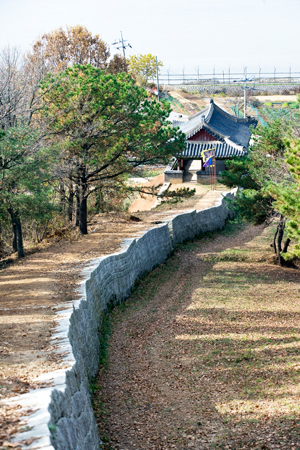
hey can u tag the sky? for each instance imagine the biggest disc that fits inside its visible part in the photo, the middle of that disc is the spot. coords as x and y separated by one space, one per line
184 34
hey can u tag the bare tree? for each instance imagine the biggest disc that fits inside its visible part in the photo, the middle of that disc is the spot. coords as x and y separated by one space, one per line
19 88
12 88
19 99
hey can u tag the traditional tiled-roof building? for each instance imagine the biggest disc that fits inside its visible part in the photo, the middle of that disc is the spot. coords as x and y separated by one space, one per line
210 128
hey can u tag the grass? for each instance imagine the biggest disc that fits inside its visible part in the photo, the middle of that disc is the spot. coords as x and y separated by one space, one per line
148 173
105 333
217 329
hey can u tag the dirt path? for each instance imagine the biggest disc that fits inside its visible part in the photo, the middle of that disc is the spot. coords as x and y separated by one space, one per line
206 353
203 197
146 202
35 287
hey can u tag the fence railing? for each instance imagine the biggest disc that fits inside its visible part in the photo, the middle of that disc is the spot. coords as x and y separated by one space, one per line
230 78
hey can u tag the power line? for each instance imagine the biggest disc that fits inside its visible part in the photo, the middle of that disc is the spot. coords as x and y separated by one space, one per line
245 87
167 72
123 46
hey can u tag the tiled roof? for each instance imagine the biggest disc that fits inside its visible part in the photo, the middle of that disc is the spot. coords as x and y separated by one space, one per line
223 149
194 124
222 125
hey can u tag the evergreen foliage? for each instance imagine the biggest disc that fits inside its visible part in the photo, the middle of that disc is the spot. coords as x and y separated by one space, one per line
288 196
269 183
104 126
25 191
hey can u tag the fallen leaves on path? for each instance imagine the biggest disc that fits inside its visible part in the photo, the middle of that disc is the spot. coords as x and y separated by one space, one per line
35 288
206 353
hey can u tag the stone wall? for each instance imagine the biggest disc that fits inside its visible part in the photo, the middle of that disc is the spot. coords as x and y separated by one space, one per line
187 226
173 176
72 424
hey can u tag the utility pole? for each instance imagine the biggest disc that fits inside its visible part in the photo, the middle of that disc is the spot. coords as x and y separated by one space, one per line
168 76
274 74
183 75
245 90
259 70
123 46
157 78
290 73
229 74
245 93
214 74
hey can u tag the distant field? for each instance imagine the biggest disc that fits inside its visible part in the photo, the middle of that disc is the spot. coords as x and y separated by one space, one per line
189 103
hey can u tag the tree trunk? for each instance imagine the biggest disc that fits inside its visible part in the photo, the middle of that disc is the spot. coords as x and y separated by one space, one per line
83 216
77 206
70 201
82 199
62 194
2 252
286 244
281 227
14 243
19 238
274 240
17 230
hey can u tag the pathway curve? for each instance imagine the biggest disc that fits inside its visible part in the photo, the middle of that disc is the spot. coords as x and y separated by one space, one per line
206 353
36 287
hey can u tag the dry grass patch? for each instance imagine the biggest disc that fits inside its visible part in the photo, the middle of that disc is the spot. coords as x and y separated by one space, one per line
206 353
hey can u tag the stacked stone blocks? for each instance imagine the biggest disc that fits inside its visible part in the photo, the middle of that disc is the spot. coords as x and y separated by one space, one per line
72 425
